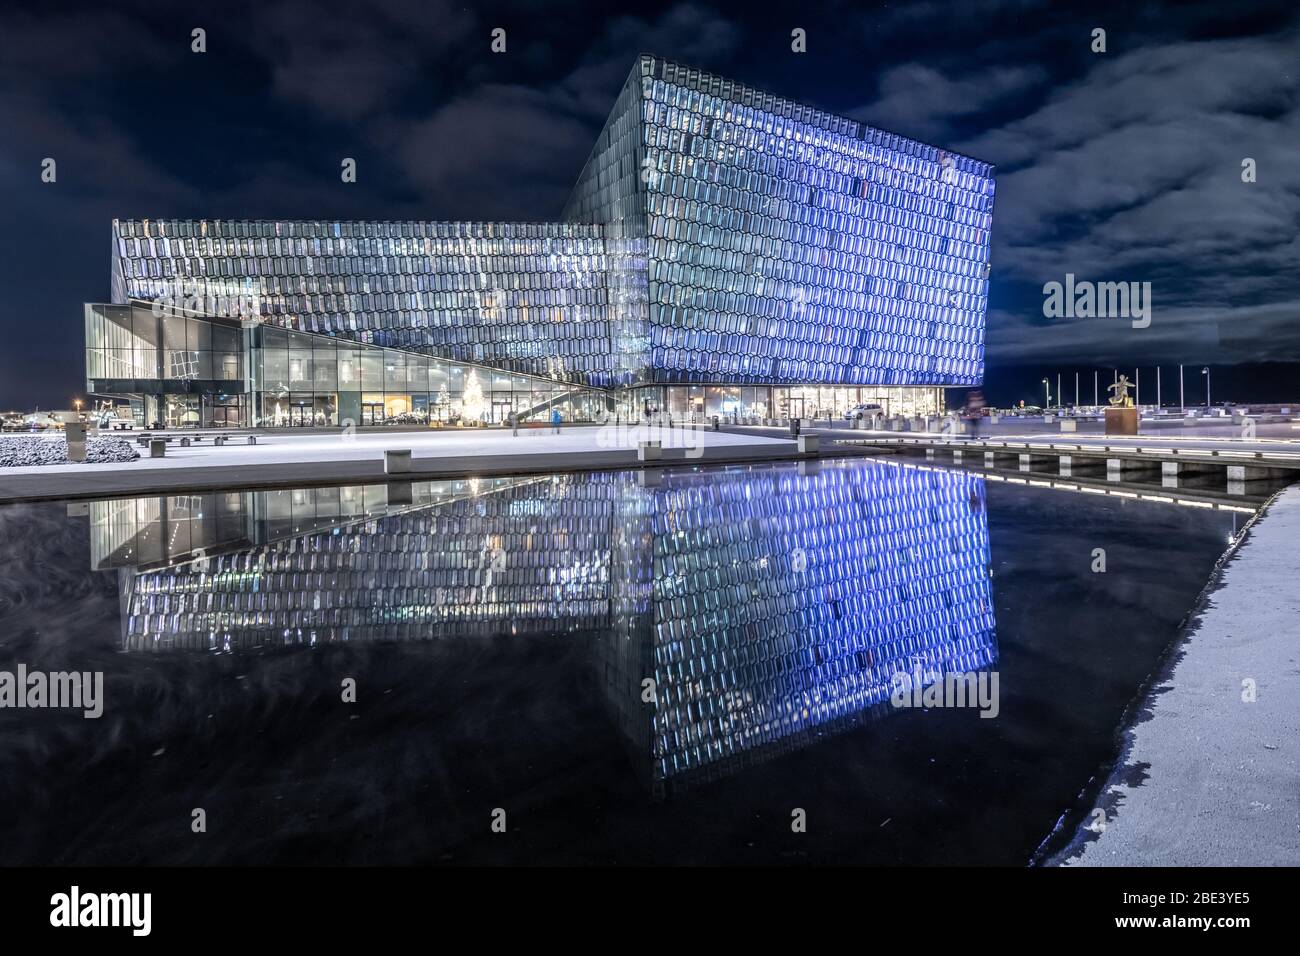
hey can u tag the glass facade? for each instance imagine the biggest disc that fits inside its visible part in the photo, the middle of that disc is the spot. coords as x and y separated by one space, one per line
611 194
767 606
179 370
299 379
267 376
787 245
526 297
717 236
700 403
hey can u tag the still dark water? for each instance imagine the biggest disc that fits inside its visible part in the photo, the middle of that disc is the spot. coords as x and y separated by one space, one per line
499 634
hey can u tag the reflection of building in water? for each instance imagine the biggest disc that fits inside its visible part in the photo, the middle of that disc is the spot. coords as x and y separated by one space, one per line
765 604
465 558
787 603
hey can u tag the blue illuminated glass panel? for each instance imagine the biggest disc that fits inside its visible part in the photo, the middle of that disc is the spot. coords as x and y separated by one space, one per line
787 245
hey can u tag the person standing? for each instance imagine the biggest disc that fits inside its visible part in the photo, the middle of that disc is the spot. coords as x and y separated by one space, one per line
975 411
514 423
555 421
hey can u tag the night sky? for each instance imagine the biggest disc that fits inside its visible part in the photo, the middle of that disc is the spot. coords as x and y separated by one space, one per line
1123 166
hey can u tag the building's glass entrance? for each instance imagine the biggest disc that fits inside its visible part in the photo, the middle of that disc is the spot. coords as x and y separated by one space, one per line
702 402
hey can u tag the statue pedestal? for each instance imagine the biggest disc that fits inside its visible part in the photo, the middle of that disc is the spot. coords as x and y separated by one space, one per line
1121 421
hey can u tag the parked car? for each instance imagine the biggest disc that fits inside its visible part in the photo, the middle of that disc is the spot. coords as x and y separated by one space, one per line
865 410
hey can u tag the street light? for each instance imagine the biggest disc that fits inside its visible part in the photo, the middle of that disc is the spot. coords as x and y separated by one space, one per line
1047 395
1206 372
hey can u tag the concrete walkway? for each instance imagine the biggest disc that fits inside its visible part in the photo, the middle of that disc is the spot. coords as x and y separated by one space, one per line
279 460
1208 778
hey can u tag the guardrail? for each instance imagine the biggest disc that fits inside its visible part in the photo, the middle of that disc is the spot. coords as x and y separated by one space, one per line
1173 460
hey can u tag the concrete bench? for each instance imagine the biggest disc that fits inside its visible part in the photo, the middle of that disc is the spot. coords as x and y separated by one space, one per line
649 451
808 444
158 448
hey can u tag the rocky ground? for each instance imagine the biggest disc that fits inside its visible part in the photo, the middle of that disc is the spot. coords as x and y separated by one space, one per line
18 451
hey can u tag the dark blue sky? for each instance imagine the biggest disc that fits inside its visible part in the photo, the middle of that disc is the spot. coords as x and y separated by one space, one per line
1122 167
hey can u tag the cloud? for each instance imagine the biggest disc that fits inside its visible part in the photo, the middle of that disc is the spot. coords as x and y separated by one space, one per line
498 153
514 150
918 101
1133 173
60 47
344 66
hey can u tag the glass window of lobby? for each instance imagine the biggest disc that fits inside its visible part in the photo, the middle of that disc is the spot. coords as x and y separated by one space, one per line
724 252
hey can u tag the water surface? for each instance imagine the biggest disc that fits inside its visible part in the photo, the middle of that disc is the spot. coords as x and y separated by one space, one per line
500 634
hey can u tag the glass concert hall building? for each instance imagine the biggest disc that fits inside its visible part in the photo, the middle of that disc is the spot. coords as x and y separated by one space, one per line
724 251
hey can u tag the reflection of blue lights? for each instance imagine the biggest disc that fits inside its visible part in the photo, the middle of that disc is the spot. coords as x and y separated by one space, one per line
766 605
748 652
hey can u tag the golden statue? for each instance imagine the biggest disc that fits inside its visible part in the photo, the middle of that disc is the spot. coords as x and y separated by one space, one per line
1120 388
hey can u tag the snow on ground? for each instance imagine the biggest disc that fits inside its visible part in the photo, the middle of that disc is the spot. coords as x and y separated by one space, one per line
282 448
25 452
1209 773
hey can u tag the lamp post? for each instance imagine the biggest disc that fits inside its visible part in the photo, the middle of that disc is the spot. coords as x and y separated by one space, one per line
1047 395
1206 372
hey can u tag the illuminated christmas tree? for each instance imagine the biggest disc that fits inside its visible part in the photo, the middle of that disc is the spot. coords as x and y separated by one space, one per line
443 402
471 404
